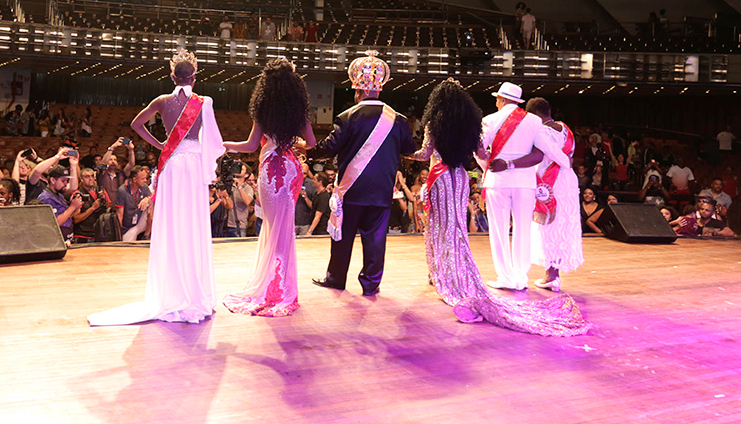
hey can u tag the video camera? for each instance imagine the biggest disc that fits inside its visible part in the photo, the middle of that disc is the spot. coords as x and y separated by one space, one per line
228 167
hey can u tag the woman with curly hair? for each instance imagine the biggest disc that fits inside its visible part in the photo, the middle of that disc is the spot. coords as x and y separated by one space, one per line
279 109
452 123
452 134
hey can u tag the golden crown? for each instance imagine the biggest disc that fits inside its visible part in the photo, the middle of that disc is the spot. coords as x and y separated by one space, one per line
369 72
184 56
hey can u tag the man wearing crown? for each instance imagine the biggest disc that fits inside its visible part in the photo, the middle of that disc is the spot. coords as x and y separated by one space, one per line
180 277
517 141
368 140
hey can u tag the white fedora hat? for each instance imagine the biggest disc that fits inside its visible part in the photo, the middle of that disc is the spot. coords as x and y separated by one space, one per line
509 91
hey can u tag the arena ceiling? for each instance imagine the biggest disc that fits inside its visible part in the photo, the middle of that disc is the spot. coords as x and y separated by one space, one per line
219 74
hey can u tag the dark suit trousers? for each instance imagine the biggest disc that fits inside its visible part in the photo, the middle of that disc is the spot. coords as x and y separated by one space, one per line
373 223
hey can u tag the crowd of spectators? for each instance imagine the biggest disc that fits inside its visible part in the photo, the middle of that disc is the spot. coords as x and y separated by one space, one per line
46 122
117 179
614 167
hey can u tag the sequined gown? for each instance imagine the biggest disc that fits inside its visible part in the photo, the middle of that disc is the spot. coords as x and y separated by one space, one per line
558 244
455 275
180 274
273 289
452 269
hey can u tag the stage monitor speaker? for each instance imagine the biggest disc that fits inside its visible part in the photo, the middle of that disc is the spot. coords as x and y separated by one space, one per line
29 233
635 223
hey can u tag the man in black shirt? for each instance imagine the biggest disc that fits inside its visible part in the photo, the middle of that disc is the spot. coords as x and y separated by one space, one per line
94 203
320 205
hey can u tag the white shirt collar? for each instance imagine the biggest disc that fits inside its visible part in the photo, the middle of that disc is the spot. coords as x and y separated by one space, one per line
371 102
187 89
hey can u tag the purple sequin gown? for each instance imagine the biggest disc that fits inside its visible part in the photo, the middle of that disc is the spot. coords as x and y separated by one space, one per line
455 275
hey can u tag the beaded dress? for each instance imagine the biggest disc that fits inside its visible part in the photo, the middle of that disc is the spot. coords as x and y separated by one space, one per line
452 269
273 288
455 275
558 244
180 275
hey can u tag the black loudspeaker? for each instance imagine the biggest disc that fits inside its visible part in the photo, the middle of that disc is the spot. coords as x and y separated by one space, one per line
635 223
30 233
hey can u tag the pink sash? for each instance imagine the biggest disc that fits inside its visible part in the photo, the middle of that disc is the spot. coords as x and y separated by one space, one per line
503 135
356 167
545 207
185 122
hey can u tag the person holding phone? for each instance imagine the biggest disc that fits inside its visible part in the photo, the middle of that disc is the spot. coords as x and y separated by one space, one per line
111 178
36 182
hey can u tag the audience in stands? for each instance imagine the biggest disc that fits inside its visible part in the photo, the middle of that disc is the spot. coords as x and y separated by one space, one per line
716 193
295 32
225 28
267 30
725 140
704 225
681 178
311 32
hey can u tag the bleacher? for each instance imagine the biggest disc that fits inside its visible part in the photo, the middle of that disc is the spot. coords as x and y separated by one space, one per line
111 122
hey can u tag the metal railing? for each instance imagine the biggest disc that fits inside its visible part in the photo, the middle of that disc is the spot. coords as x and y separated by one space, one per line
96 44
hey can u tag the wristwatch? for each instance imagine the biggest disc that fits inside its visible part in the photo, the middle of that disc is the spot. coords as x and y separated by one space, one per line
510 164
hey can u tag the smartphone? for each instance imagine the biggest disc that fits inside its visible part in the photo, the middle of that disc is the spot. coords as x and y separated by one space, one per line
26 153
73 153
126 141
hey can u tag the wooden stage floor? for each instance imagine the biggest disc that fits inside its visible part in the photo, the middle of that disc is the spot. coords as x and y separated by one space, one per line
665 347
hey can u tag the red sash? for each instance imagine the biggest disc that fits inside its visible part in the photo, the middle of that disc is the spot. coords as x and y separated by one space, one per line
435 172
185 122
503 135
546 204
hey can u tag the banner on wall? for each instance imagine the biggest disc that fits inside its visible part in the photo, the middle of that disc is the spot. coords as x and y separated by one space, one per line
15 88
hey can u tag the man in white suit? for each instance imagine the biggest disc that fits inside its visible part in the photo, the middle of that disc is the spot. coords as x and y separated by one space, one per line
515 140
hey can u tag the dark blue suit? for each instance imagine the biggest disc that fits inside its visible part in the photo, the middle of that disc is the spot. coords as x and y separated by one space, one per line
367 203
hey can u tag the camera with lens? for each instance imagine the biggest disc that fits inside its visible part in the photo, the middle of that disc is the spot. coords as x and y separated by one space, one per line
228 168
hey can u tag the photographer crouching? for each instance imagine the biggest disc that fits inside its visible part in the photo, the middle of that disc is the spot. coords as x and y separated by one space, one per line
94 202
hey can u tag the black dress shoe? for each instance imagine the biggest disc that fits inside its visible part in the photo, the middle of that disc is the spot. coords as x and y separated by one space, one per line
322 282
371 290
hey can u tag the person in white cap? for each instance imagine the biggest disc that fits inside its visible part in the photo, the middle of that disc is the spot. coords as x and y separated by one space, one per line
516 141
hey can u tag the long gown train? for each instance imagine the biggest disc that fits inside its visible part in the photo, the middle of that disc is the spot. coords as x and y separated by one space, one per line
455 275
180 286
273 289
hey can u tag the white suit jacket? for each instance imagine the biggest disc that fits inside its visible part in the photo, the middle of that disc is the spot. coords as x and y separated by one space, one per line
530 132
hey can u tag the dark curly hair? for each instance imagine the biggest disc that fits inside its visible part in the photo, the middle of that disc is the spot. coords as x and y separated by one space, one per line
454 122
12 187
279 103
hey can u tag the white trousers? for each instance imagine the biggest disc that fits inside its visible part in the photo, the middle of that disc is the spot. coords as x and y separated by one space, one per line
511 263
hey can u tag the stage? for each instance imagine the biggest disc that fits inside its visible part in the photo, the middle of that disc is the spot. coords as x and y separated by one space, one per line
664 347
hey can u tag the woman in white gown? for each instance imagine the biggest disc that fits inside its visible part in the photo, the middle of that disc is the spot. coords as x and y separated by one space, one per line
279 108
556 242
180 276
